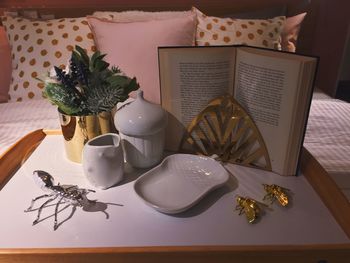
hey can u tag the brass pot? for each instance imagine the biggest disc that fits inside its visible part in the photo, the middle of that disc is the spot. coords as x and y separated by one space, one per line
78 130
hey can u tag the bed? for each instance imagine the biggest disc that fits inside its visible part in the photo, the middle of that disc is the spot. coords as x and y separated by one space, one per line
327 139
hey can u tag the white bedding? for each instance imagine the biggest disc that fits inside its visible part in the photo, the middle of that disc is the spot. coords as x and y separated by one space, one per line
327 136
328 139
20 118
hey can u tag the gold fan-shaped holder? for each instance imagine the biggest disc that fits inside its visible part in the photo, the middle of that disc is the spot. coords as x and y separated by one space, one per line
226 130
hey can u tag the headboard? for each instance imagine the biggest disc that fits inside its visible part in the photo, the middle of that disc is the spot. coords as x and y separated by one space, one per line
76 8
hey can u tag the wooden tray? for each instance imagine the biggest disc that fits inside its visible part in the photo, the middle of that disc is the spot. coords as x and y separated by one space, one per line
316 175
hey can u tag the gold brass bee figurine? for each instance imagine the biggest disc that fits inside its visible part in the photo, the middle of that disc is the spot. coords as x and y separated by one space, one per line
249 207
274 192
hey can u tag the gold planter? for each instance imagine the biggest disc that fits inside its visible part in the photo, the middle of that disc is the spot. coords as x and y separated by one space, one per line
78 130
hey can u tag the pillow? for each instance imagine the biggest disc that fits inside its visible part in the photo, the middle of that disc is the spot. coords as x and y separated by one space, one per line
133 46
37 46
5 66
227 31
140 16
291 31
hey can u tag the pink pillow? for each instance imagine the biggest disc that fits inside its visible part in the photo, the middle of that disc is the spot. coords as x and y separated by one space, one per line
5 66
291 31
133 46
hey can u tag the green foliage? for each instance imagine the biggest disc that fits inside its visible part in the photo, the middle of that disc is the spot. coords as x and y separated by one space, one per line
62 98
89 87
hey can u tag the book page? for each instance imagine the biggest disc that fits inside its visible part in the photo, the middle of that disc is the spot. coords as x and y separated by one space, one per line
267 88
190 78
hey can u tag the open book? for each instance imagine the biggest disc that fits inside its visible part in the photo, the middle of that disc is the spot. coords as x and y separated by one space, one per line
275 88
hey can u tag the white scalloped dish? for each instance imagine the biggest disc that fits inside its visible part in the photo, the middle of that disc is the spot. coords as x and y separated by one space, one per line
179 182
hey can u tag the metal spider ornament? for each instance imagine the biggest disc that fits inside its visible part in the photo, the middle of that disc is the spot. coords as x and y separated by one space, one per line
71 194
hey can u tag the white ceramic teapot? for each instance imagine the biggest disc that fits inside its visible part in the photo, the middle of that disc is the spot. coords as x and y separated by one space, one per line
141 125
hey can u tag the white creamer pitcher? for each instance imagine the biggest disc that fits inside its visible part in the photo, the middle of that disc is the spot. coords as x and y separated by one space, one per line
103 160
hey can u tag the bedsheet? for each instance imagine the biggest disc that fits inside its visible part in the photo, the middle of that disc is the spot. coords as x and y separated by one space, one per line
19 118
328 139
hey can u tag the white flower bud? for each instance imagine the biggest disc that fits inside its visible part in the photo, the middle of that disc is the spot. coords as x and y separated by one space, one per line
52 73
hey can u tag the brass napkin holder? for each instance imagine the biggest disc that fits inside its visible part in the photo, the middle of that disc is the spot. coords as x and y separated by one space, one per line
226 130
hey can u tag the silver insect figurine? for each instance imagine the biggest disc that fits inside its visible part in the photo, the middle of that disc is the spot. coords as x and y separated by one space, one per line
71 194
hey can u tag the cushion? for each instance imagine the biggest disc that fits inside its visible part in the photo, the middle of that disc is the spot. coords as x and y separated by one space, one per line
5 66
37 46
140 16
133 46
227 31
291 31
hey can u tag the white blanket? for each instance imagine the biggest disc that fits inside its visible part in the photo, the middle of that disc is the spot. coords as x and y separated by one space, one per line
328 139
20 118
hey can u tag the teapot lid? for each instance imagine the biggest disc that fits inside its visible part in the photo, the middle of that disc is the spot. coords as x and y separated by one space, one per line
140 117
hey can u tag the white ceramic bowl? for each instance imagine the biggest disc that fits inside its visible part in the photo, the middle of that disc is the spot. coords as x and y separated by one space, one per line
179 182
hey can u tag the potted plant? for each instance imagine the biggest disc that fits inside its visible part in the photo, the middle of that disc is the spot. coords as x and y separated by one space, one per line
86 92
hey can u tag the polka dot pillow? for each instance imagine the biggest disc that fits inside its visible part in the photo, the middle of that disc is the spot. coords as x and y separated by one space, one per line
37 46
227 31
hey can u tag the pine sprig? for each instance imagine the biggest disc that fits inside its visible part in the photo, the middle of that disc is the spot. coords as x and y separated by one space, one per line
63 98
90 86
105 97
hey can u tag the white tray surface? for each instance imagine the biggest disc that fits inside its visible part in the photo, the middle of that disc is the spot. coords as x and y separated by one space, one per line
213 221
